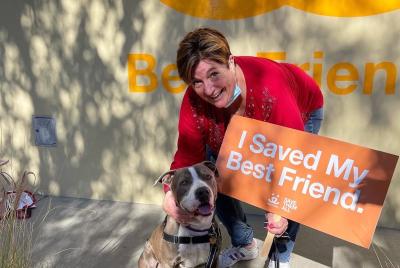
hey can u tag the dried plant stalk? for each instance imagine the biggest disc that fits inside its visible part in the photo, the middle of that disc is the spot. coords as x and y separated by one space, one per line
15 235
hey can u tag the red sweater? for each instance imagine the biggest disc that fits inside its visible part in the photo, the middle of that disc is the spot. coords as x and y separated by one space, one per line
279 93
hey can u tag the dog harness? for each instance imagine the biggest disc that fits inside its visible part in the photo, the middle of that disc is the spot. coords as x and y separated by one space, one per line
213 238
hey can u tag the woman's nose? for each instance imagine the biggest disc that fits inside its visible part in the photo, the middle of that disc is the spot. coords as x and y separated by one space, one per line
208 88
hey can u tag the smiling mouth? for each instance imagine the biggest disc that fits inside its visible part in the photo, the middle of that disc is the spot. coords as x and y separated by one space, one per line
216 95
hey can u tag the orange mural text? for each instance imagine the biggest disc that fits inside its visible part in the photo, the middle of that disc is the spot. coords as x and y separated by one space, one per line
142 75
343 78
340 78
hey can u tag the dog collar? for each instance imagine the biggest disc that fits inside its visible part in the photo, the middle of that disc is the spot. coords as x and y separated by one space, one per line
213 237
196 230
186 239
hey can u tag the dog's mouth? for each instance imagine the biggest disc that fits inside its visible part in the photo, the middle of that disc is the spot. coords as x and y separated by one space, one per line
204 210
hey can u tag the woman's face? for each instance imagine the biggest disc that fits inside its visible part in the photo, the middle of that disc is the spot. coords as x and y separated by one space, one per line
214 82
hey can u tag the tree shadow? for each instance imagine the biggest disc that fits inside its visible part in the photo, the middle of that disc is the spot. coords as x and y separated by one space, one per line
71 232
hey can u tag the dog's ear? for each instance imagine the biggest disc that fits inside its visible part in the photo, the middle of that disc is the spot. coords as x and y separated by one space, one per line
165 178
212 167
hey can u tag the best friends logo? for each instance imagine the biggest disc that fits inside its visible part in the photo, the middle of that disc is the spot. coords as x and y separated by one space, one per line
237 9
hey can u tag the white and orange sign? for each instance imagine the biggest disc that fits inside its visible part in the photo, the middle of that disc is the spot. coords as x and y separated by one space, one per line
329 185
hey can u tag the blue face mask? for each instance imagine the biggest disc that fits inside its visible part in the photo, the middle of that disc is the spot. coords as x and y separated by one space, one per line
236 94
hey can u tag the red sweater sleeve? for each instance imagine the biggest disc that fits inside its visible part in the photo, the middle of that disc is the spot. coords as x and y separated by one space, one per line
191 143
306 91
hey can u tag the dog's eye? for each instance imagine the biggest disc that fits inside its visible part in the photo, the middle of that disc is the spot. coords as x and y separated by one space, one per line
184 182
208 177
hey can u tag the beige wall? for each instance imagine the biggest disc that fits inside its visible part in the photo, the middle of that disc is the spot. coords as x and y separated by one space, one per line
69 59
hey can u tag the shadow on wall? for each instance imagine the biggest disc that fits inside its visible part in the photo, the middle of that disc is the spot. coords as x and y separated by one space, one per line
68 59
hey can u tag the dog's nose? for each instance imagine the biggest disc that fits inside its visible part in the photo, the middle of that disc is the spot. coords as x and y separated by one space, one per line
203 194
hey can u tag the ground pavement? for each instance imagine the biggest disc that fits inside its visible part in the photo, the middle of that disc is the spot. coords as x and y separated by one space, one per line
72 232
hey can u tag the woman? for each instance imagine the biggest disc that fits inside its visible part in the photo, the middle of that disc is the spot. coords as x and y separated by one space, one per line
221 85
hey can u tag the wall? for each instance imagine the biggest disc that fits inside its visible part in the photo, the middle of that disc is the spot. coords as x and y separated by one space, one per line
89 65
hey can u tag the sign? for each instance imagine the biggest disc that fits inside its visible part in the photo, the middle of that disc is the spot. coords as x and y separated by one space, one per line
332 186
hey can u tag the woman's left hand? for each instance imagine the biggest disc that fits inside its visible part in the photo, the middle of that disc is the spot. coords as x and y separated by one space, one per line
276 224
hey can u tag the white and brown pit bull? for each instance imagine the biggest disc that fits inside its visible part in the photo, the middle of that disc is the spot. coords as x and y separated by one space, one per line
197 243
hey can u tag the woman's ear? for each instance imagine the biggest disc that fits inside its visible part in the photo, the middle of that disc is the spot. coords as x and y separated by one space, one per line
231 62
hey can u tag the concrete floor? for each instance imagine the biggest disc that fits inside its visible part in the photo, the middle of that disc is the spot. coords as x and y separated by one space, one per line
71 232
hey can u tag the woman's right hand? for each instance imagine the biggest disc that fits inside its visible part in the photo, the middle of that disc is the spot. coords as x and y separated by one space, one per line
172 210
276 224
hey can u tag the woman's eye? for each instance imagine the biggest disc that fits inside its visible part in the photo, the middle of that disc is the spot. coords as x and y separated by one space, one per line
197 84
214 74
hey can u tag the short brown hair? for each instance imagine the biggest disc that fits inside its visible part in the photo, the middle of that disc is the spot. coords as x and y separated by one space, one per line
202 43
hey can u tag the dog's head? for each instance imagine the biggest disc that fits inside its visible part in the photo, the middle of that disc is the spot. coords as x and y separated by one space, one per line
194 187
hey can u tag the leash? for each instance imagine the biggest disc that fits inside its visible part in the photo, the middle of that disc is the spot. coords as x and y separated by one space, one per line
213 238
276 254
284 237
215 244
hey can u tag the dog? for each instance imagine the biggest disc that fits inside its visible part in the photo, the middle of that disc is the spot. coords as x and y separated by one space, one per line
197 243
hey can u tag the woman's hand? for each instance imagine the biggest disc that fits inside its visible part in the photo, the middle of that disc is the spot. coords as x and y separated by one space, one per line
172 210
276 224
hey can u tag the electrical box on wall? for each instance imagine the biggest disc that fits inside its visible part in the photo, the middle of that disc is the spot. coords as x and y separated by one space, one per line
44 129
